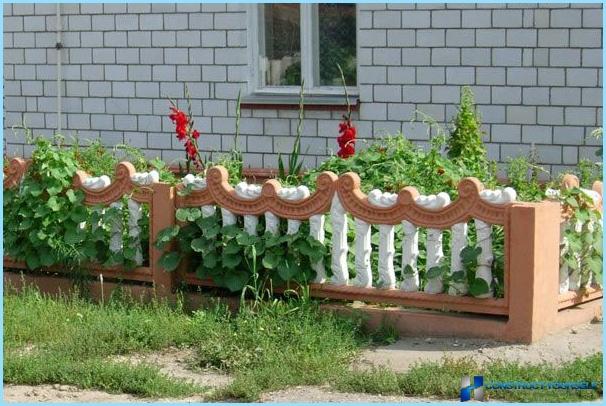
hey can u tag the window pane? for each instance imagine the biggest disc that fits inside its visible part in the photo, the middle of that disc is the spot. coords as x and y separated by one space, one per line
337 29
281 59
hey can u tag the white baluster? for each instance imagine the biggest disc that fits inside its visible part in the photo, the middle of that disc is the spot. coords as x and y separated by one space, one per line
575 274
316 231
208 210
410 253
458 242
96 183
227 217
293 194
340 273
434 241
249 192
484 235
134 231
363 248
484 270
387 274
115 241
272 223
564 269
134 211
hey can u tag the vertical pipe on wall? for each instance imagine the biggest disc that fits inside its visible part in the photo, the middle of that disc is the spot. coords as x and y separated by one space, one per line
59 47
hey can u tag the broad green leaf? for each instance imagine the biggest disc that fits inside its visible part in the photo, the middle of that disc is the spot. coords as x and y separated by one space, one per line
243 238
458 276
79 214
408 270
71 196
271 260
232 247
199 245
74 236
166 235
231 230
170 261
572 202
435 272
53 203
236 280
210 260
231 261
212 232
32 260
288 269
478 287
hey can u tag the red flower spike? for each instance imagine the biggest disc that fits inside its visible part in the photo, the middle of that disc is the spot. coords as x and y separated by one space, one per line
346 139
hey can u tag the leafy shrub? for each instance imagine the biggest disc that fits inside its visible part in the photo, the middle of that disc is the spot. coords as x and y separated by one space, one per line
42 216
465 142
46 221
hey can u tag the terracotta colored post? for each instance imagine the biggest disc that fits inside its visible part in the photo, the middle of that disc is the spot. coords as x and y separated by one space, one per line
162 215
533 258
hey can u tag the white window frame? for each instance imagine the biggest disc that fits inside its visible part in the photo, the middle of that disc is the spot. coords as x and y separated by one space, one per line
310 64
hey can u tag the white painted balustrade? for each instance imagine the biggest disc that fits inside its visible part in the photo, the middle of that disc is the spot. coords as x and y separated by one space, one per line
135 212
458 241
199 183
316 231
387 275
249 192
410 254
293 194
570 279
96 183
484 234
338 217
433 244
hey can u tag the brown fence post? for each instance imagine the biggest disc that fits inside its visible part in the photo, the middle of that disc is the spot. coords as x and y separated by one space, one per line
162 215
533 257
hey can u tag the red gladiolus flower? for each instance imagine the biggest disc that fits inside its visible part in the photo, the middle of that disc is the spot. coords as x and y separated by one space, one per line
347 151
185 133
346 139
181 122
190 149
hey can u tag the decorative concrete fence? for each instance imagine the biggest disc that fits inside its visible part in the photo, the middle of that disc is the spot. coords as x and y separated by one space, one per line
533 301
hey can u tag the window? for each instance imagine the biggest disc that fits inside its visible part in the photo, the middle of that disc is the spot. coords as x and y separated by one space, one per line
293 42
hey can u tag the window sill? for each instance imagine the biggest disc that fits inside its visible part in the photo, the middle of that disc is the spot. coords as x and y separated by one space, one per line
291 102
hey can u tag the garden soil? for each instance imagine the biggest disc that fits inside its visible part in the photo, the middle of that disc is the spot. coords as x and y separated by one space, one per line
563 346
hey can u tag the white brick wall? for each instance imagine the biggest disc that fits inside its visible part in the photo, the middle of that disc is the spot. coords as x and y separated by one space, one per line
536 71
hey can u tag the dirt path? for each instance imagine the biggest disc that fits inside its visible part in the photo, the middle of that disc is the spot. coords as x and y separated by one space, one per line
566 345
400 356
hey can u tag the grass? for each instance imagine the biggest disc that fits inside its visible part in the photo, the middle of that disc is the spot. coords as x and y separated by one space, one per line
443 379
69 340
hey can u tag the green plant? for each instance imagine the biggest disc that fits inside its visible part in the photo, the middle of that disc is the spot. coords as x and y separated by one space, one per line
46 221
232 258
295 165
42 216
584 237
465 141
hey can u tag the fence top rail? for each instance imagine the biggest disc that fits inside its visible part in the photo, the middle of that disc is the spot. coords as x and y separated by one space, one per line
121 185
469 205
15 171
224 195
